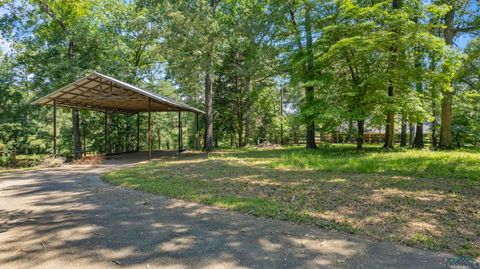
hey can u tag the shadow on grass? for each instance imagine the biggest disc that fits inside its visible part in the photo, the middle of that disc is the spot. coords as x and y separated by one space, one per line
439 214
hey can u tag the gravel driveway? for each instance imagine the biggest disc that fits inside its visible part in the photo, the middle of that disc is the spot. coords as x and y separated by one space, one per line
69 218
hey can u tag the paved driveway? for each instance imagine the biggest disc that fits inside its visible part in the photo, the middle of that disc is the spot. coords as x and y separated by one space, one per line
69 218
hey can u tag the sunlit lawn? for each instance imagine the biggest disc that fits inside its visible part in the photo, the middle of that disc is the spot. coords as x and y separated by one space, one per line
419 198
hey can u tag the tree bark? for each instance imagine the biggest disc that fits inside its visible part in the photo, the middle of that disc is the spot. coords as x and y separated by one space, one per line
309 90
240 132
434 125
208 139
14 150
419 136
128 134
249 116
360 131
77 142
240 122
446 117
403 134
390 126
446 124
310 137
208 145
411 131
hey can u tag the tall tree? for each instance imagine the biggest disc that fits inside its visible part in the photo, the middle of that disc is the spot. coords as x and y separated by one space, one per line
208 139
309 89
189 43
390 121
64 15
300 14
457 21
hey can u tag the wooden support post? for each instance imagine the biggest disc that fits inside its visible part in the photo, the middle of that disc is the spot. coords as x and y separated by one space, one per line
149 135
105 132
138 132
126 141
179 132
54 128
84 139
197 135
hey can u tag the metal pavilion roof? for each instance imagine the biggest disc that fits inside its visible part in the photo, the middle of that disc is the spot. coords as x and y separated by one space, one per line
100 92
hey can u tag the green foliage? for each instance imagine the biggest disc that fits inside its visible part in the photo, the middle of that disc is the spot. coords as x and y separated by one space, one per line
334 59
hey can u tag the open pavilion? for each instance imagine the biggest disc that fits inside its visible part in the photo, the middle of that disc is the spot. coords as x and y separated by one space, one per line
109 95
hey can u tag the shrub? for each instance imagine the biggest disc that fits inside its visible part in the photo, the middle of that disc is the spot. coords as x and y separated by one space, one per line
50 162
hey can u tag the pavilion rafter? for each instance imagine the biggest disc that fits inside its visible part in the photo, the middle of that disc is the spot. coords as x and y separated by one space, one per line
104 93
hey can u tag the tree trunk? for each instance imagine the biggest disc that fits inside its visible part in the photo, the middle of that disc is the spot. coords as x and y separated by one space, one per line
208 140
446 124
360 131
128 134
419 136
249 116
77 142
446 117
309 90
208 145
390 124
403 135
434 125
240 122
411 131
240 135
14 150
310 138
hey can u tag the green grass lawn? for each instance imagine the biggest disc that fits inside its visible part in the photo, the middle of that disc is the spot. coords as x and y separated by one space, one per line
23 162
418 198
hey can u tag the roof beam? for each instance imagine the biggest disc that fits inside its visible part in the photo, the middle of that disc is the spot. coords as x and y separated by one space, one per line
103 93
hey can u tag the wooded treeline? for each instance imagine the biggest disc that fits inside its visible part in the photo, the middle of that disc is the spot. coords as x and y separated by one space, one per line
266 70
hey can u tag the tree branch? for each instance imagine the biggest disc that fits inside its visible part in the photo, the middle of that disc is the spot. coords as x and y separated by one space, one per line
467 29
52 15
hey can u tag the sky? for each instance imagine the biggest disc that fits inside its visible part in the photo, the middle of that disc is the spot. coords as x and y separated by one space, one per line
462 41
4 45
